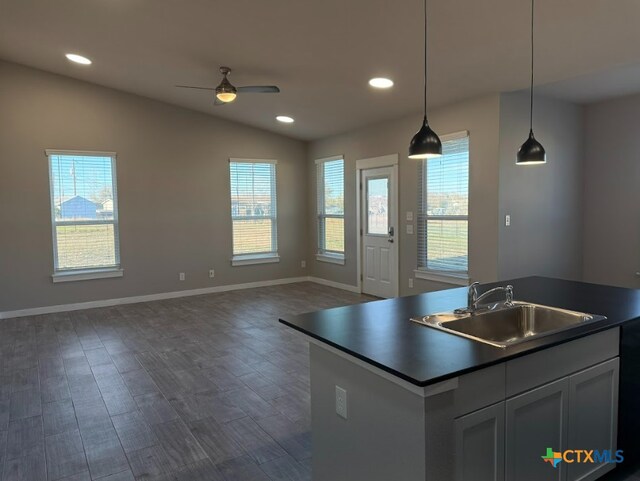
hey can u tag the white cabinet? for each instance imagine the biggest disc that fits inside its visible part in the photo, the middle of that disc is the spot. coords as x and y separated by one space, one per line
535 421
576 412
593 416
506 441
479 438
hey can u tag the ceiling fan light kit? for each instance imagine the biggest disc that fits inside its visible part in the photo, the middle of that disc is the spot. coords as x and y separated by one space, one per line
226 92
531 152
426 143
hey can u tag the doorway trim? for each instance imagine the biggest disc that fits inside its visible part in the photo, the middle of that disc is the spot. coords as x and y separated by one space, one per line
390 160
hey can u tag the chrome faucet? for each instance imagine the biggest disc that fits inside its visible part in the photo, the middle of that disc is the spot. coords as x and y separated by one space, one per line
473 299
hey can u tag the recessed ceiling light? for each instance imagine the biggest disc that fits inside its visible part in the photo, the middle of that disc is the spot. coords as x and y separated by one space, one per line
78 59
284 119
381 83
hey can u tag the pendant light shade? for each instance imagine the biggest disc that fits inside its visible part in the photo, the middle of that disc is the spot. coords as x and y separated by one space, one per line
426 143
531 152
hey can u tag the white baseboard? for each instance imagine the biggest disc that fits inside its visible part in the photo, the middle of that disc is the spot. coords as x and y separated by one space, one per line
337 285
35 311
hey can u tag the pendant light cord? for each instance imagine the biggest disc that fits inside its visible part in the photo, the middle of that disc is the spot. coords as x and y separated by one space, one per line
531 90
425 59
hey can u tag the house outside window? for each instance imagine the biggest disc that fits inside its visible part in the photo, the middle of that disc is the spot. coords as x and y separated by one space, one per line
253 211
84 215
330 207
443 212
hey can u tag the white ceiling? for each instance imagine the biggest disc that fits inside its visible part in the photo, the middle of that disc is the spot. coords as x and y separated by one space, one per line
321 52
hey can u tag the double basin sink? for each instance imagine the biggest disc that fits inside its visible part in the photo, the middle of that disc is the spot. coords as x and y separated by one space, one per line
505 324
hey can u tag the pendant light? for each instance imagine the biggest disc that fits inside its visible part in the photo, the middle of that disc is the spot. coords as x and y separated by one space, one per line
531 152
426 143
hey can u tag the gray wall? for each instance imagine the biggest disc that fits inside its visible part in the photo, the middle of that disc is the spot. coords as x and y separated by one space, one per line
544 201
481 118
612 193
172 181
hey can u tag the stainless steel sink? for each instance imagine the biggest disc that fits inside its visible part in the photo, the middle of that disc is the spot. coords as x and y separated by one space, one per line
503 325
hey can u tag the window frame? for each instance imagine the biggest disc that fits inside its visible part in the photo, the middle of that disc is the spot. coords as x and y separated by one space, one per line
85 273
257 257
323 254
423 272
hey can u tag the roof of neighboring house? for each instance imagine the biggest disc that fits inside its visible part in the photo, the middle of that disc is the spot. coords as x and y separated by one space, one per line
65 199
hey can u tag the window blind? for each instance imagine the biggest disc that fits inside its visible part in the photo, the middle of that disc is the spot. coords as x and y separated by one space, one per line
443 217
84 211
253 207
330 189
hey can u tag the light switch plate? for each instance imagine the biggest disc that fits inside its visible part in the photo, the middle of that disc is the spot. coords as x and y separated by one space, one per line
341 402
507 220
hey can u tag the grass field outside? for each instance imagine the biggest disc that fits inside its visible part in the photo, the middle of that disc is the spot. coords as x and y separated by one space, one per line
334 234
85 246
252 236
447 244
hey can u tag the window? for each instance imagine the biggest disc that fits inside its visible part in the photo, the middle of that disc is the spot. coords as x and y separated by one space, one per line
84 213
330 179
253 211
443 216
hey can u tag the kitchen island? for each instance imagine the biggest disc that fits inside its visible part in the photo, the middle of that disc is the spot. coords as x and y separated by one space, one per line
392 399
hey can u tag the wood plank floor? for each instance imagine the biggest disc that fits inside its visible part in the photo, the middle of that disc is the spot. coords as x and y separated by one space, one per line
200 388
207 388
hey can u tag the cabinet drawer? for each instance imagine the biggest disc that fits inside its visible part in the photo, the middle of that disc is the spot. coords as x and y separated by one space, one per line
542 367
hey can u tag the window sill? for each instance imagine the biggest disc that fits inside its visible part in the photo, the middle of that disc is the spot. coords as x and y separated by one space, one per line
86 275
458 280
248 260
331 259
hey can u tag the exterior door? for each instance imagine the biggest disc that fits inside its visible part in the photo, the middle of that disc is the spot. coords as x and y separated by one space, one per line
379 229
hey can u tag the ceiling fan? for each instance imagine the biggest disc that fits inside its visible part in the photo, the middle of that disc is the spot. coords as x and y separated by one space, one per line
226 92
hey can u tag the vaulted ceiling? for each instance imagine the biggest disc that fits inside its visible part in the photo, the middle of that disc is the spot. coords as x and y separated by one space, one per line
321 52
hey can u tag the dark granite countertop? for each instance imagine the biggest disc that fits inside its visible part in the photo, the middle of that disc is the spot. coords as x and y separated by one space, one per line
381 334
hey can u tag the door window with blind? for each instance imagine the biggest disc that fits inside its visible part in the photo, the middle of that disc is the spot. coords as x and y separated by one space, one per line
84 214
330 190
443 217
253 211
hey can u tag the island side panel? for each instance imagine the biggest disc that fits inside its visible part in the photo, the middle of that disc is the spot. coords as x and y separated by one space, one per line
383 437
629 411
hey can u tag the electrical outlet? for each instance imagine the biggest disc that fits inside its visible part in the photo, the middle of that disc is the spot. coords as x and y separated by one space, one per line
341 402
303 264
409 215
410 282
507 220
409 228
212 273
182 276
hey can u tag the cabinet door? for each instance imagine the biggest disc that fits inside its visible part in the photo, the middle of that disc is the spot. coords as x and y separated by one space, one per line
593 416
480 445
535 421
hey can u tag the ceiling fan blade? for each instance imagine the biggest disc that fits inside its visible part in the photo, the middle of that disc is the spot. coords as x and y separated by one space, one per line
192 87
259 89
